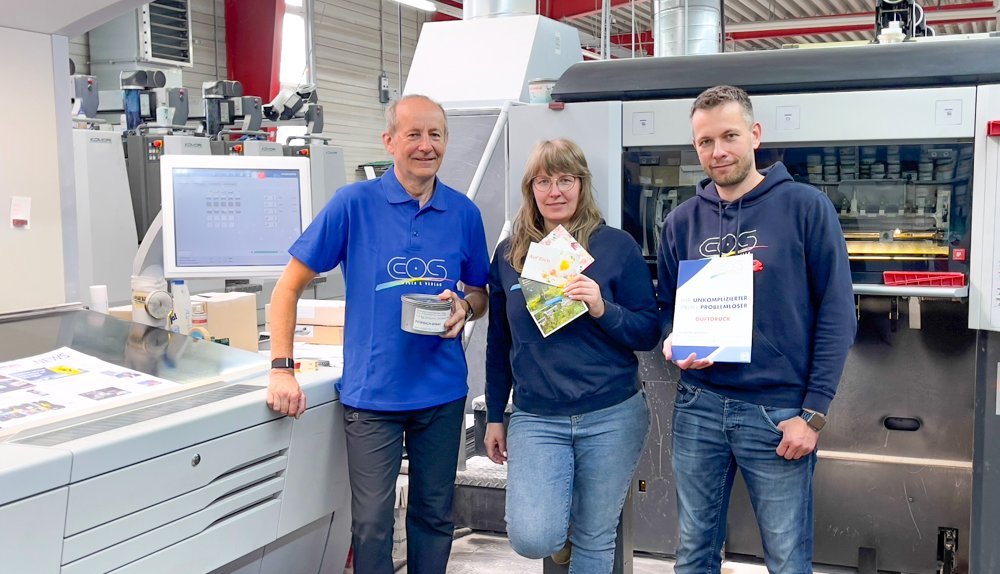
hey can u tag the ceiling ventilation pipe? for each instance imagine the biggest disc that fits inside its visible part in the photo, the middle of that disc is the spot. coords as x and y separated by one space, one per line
472 9
683 27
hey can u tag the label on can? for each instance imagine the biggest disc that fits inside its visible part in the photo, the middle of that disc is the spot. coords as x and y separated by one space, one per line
430 320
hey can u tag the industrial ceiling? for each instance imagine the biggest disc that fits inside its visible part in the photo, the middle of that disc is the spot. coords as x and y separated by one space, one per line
759 24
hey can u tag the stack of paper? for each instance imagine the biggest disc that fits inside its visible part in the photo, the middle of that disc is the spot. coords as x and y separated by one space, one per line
548 267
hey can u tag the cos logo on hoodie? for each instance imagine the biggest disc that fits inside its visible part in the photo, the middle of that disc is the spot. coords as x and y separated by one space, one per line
729 244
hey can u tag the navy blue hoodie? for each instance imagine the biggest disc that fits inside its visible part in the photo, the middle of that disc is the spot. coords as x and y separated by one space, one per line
803 317
587 365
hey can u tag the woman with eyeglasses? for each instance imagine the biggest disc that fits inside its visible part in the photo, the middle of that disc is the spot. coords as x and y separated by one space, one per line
580 418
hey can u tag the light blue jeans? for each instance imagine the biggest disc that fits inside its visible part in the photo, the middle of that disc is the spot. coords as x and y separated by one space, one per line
567 476
713 436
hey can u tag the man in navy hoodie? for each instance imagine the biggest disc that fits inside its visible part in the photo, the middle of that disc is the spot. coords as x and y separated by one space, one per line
762 417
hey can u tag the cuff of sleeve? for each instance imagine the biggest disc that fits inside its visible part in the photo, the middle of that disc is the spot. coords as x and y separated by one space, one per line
665 331
494 415
612 318
817 402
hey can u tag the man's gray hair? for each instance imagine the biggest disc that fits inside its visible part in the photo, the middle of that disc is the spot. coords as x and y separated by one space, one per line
722 95
391 122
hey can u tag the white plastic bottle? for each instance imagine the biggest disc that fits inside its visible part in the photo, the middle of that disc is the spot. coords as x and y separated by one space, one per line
892 34
182 307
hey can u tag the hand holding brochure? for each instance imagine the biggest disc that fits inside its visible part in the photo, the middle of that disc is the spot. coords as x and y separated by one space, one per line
549 307
549 265
713 312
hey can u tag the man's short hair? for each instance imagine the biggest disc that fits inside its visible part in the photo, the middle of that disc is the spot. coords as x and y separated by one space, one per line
390 112
722 95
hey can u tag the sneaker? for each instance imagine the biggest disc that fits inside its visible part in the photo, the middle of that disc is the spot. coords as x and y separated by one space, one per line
562 557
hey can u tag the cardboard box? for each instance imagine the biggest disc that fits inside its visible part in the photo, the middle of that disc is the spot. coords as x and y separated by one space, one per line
645 175
230 316
691 175
317 334
123 312
325 312
666 175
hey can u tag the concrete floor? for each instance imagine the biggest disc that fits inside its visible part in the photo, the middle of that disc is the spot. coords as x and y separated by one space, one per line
480 553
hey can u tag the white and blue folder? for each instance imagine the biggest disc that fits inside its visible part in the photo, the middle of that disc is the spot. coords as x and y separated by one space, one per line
713 311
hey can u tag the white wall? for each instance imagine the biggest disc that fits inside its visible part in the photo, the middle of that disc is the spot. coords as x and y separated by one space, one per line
38 128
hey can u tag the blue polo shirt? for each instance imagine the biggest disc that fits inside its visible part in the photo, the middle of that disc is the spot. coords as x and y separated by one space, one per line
387 246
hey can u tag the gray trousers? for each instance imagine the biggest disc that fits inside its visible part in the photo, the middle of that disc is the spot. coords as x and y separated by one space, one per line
374 450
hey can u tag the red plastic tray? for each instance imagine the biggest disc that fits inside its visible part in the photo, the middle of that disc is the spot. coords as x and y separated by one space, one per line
924 278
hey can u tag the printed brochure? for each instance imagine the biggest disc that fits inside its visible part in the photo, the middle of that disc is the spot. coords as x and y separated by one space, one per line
549 307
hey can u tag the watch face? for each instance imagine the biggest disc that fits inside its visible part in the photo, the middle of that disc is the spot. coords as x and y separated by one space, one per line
815 421
282 364
159 304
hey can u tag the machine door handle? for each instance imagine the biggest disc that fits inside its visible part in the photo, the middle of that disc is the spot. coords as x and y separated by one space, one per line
901 423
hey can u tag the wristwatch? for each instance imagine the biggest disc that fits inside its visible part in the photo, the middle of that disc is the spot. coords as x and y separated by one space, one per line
816 421
283 364
469 312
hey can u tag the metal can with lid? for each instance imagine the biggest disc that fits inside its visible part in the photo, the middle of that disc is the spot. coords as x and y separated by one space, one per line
424 314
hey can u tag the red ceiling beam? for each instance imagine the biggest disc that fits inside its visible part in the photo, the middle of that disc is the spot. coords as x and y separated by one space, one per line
440 16
808 31
559 9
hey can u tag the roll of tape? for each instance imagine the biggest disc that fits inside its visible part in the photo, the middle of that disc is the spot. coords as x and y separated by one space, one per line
200 333
99 298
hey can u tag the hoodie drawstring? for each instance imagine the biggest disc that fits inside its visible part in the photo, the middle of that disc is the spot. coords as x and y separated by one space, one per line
736 242
721 209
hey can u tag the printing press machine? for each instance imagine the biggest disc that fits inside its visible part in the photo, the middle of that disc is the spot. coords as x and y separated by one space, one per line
904 141
204 478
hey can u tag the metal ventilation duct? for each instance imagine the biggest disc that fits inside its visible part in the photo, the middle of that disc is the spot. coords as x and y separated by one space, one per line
166 32
683 27
472 9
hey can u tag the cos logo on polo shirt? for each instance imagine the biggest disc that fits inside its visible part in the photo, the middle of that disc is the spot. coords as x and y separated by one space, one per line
415 271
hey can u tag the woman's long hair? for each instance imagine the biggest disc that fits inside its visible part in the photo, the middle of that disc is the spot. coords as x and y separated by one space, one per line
560 156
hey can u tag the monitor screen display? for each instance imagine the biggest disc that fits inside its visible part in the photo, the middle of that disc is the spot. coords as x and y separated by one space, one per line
232 217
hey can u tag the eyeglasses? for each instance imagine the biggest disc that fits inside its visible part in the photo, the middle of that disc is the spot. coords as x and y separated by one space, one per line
544 183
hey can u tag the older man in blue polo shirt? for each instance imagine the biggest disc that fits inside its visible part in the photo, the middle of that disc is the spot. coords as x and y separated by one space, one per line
403 233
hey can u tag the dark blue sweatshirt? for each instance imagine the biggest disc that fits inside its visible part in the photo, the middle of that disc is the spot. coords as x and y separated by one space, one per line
586 365
803 314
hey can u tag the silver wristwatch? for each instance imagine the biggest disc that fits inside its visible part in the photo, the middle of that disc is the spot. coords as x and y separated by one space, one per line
816 421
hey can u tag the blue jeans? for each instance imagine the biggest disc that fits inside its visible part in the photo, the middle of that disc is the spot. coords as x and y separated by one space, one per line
712 437
567 477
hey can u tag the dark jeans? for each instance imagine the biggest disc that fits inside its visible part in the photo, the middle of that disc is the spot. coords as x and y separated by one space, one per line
374 450
713 437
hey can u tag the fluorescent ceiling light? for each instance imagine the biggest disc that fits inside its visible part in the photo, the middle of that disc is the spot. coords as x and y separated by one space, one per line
425 5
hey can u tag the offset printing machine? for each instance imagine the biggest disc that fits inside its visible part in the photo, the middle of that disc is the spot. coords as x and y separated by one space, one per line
903 140
204 478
